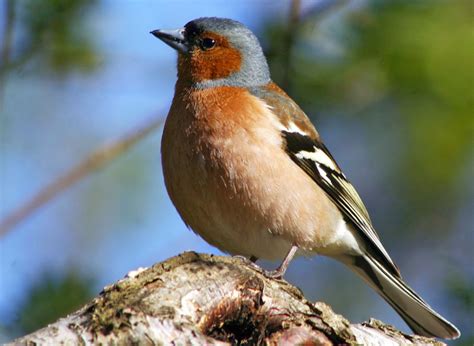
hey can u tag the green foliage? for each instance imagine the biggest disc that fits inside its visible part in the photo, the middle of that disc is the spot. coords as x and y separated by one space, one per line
462 288
411 60
425 54
54 32
51 299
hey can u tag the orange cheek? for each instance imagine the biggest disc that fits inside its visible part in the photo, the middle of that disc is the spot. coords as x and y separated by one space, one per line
216 63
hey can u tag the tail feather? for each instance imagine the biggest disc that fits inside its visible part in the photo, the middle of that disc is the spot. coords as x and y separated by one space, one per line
421 318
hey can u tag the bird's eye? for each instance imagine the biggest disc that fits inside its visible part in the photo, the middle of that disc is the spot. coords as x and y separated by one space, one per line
207 43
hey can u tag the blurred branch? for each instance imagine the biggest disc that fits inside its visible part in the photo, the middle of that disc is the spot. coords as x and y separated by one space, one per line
20 59
296 20
197 299
94 162
7 43
7 32
321 9
293 21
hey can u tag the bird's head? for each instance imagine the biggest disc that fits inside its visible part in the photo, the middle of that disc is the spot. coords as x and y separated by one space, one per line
217 52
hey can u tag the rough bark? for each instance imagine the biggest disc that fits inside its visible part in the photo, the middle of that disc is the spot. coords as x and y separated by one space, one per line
196 299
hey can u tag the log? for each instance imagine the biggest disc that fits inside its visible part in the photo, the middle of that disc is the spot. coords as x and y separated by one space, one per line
198 299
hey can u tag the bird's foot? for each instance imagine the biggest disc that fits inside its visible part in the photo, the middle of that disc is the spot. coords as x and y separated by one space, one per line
270 274
275 274
249 261
280 271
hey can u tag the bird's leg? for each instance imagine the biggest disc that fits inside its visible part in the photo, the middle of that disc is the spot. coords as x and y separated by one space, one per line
280 271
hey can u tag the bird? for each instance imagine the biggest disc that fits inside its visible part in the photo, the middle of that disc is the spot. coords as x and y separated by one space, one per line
248 172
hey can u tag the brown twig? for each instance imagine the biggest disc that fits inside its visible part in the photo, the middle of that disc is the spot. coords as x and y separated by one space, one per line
95 161
293 21
5 52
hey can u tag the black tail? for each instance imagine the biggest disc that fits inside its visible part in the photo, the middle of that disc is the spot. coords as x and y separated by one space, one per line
421 318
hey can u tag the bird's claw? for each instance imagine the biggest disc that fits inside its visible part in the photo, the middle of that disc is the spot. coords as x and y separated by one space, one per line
249 262
273 274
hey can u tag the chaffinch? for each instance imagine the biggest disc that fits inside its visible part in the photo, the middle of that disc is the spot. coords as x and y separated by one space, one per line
248 172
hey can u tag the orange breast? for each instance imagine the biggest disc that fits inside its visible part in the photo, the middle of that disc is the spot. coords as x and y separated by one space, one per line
231 181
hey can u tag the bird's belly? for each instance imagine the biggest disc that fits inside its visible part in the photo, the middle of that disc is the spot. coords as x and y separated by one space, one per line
212 208
243 203
240 237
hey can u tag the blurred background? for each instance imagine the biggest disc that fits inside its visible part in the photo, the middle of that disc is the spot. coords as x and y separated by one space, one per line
388 83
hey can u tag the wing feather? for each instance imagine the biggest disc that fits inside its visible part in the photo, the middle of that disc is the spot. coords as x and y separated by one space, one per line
315 159
305 148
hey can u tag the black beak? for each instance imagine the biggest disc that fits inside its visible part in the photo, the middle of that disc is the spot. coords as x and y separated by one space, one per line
173 38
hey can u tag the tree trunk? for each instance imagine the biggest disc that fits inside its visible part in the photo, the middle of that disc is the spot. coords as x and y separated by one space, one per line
195 299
